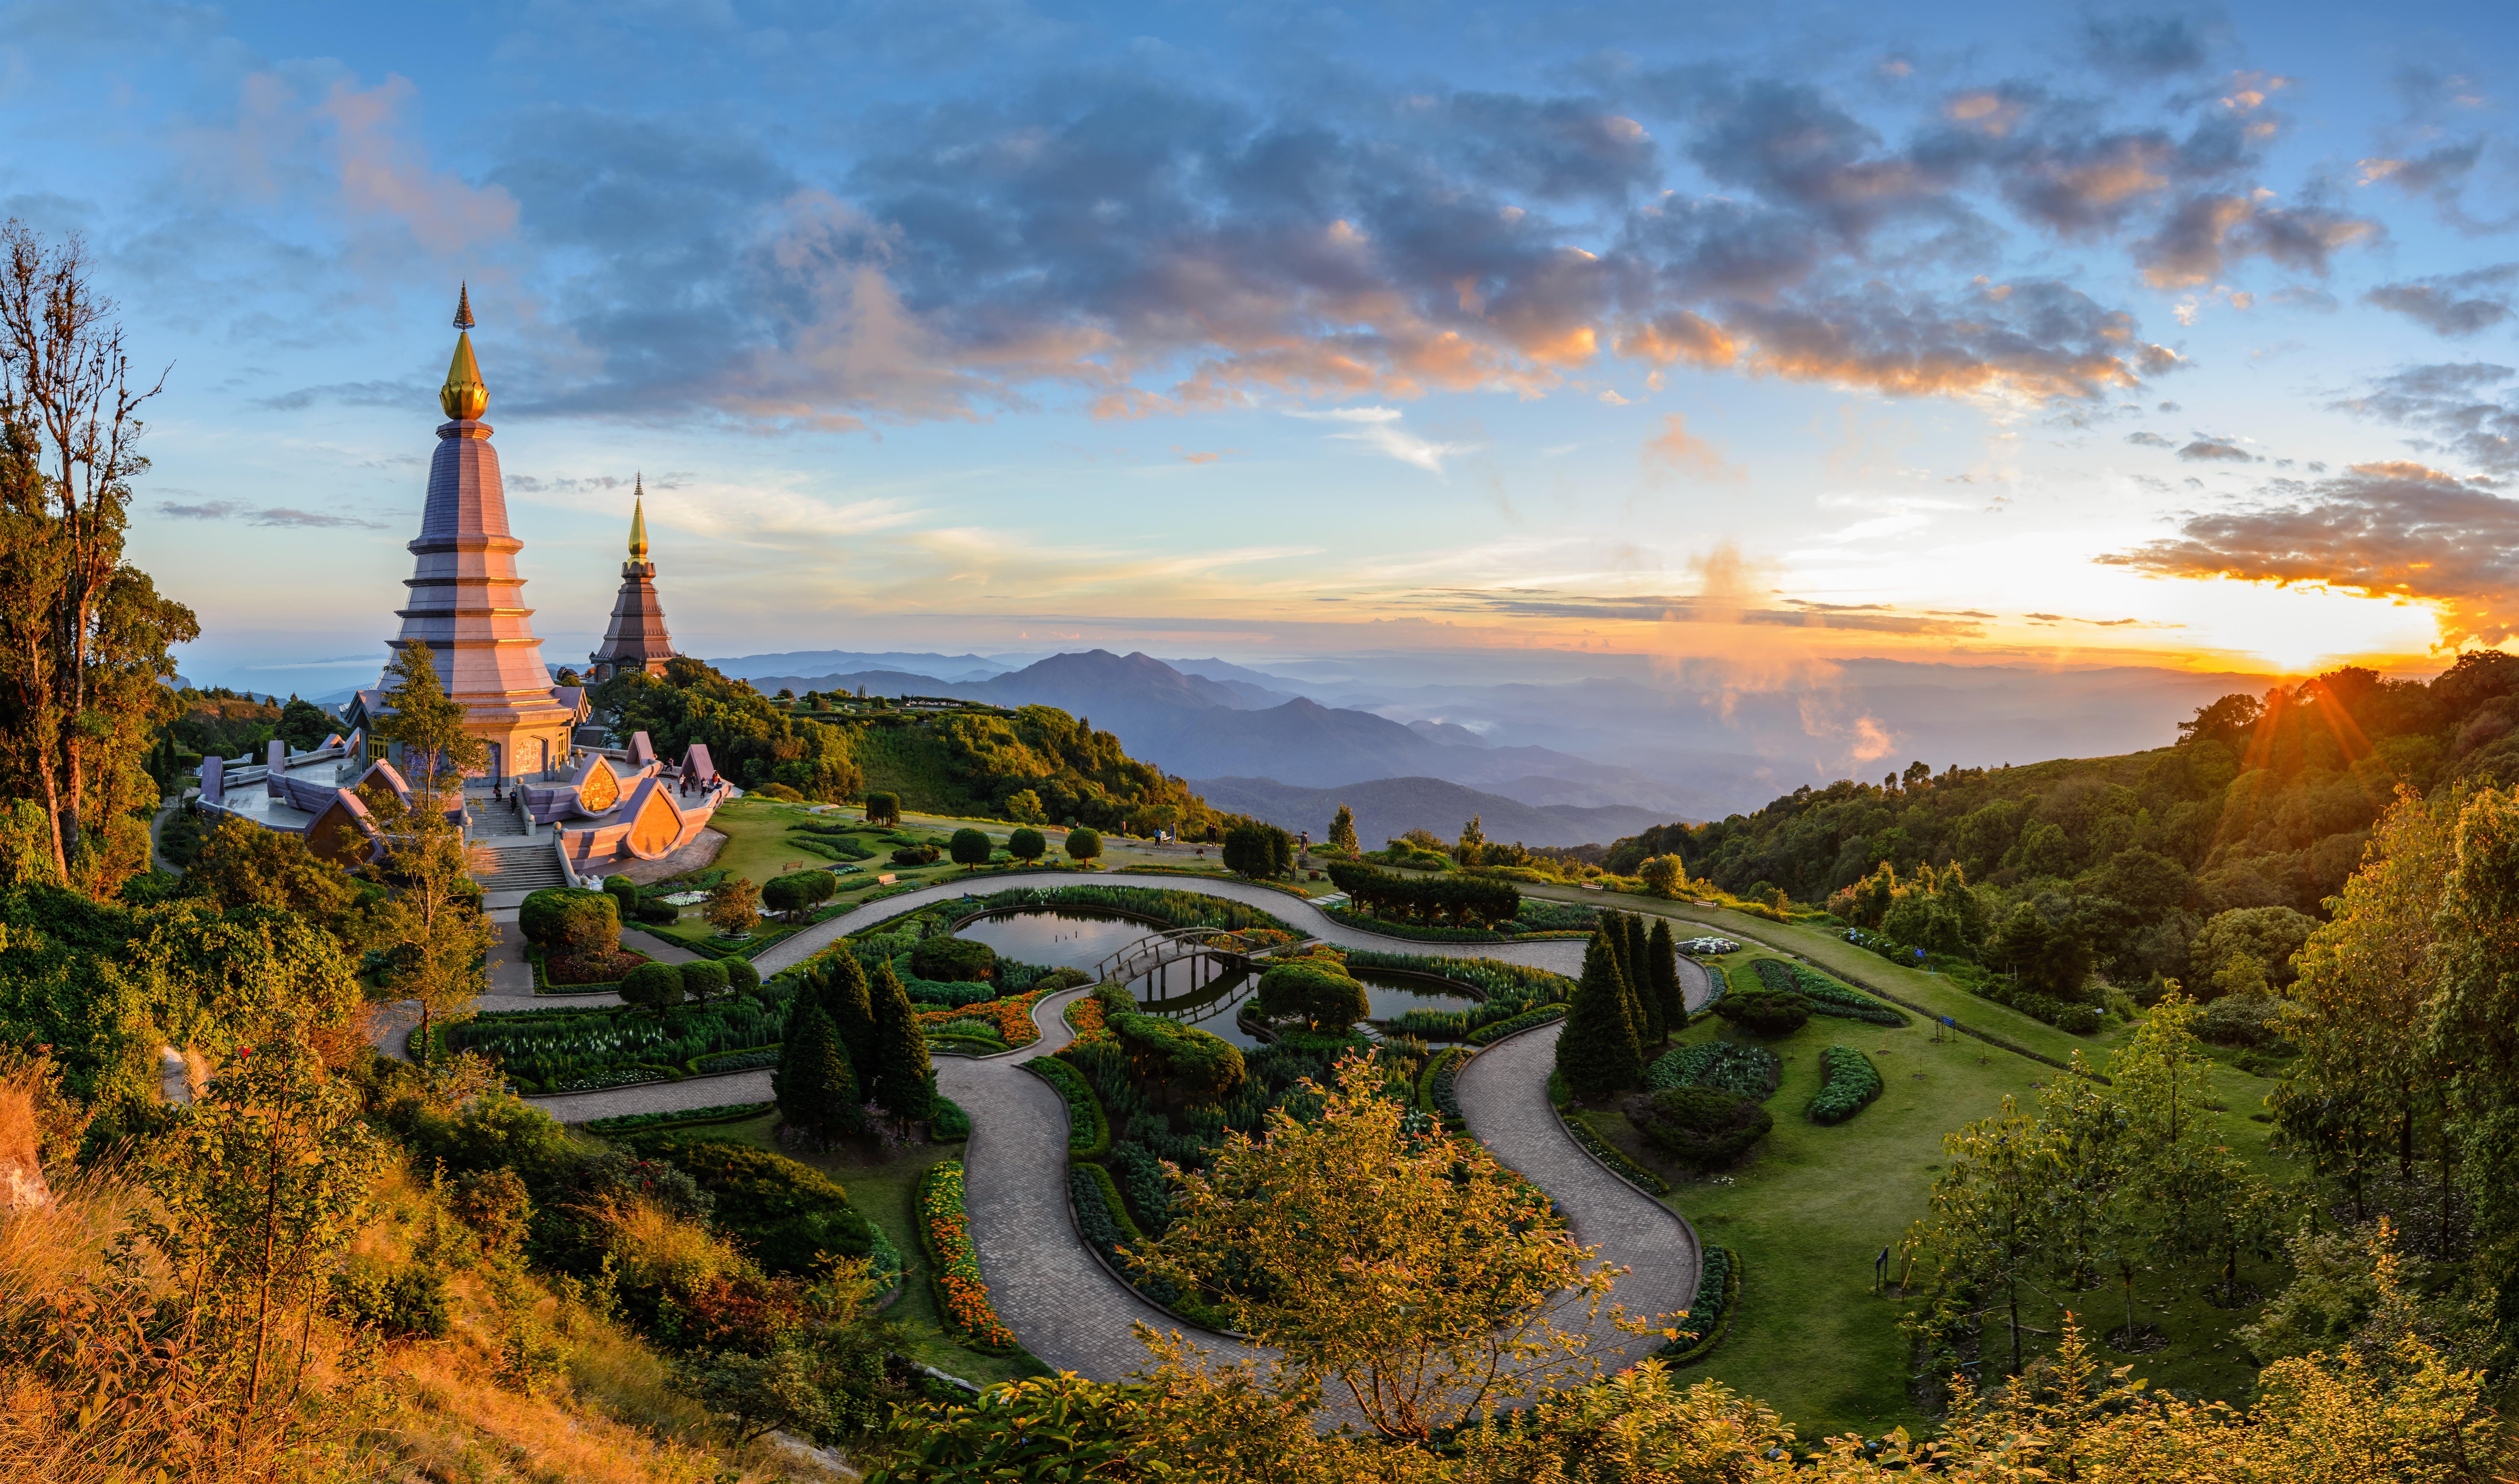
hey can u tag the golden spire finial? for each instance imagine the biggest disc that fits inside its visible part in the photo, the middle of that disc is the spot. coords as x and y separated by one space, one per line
464 396
637 518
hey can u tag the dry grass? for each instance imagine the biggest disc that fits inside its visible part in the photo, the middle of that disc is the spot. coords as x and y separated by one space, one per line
86 1399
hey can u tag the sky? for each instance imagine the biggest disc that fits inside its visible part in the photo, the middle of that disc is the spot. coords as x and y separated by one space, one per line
1739 333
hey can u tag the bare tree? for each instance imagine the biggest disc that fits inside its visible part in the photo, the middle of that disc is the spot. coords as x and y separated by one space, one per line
71 410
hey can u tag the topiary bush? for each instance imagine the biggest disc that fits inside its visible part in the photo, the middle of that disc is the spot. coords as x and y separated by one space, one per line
1764 1012
740 977
1699 1126
915 855
1027 844
704 980
947 960
970 846
1324 999
654 984
564 918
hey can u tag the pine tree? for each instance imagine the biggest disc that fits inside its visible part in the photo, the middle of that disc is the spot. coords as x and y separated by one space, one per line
816 1092
841 990
1342 828
900 1055
1598 1051
1661 971
1652 1021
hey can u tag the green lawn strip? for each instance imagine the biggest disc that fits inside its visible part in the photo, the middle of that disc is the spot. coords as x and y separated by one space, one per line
1812 1205
888 1195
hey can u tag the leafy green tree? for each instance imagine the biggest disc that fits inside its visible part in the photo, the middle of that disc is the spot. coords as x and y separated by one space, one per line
798 892
883 808
2269 936
244 865
2473 1028
703 980
1084 845
1023 806
304 726
753 740
1989 1224
734 906
901 1070
970 848
1027 845
1342 828
1665 876
1471 848
1599 1052
815 1087
654 984
436 936
1254 850
428 723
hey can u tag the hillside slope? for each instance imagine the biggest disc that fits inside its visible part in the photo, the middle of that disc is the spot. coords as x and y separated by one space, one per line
1386 808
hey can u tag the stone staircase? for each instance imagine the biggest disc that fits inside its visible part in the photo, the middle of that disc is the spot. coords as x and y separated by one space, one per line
508 868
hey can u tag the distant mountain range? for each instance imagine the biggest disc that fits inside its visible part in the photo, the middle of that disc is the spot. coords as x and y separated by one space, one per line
1387 808
1201 728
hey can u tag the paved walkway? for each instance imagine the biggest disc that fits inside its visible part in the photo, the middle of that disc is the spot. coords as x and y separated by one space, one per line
1504 1096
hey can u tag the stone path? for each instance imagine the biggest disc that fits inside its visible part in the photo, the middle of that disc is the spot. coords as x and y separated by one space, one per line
1504 1096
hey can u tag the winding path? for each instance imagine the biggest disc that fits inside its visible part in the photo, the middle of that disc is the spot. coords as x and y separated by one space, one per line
1066 1307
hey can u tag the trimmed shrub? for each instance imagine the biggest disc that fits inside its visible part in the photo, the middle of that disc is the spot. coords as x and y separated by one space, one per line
1088 1129
1699 1126
883 808
946 1118
787 1214
1083 843
1027 844
798 890
1202 1067
704 980
1325 1000
740 977
1850 1084
1486 1035
916 855
571 920
1458 900
654 984
951 960
663 914
1749 1072
623 890
1764 1012
970 846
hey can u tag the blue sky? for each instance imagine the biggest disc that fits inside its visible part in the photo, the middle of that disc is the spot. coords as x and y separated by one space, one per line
1751 332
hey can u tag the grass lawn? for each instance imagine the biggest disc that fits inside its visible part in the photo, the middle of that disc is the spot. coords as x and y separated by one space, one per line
888 1194
1811 1206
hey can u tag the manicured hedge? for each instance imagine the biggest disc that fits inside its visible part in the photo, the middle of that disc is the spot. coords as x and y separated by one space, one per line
946 1118
1850 1084
1436 1090
1088 1128
1709 1313
689 1117
1456 901
1826 995
1489 1035
1617 1159
1702 1127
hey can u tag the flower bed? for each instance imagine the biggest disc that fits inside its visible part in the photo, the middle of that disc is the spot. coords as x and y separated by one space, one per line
615 1077
1850 1084
549 1051
953 1264
1826 995
1009 1016
1085 1018
1088 1129
1749 1072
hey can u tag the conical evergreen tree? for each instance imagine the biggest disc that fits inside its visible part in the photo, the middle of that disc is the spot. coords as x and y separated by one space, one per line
1661 971
841 988
816 1092
1598 1051
899 1059
1653 1022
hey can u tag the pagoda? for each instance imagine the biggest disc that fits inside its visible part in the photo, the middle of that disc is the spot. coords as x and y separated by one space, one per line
467 600
637 639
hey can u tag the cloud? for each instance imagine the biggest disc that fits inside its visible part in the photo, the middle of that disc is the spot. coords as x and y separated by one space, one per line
2207 232
262 515
2152 440
2206 447
1676 451
2452 404
2436 302
353 394
1378 428
1713 607
2398 531
2144 44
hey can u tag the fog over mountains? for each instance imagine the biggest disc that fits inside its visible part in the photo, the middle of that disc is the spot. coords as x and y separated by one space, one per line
1545 752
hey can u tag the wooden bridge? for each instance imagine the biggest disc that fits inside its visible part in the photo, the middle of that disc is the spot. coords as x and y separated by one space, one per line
1213 948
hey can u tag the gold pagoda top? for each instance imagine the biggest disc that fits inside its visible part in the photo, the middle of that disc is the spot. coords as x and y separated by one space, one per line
637 518
464 396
